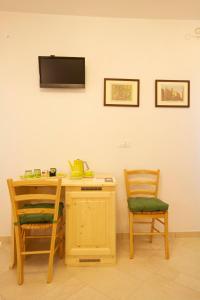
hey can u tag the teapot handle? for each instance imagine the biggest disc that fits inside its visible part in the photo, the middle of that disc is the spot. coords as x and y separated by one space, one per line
70 164
86 164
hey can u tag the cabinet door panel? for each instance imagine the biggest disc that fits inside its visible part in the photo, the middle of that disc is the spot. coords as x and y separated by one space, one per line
90 223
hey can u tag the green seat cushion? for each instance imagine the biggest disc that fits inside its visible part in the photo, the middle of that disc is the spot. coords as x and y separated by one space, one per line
40 218
140 204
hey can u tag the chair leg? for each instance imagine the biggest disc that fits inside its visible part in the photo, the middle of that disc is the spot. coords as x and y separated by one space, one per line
20 269
51 255
61 241
13 253
20 258
152 226
62 246
131 238
61 249
166 236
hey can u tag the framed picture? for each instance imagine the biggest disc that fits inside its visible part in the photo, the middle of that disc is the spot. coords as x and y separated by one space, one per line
121 92
172 93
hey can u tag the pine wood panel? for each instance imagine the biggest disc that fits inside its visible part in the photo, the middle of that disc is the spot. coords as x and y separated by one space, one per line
90 227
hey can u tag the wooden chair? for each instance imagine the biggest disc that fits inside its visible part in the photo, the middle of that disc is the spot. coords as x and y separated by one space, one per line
36 209
142 190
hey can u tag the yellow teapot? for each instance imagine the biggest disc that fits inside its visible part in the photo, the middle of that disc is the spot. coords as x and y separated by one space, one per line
78 169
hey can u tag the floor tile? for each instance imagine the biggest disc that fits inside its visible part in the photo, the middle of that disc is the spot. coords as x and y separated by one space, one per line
147 276
88 293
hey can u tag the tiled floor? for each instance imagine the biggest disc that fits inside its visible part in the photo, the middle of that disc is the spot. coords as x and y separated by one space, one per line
147 277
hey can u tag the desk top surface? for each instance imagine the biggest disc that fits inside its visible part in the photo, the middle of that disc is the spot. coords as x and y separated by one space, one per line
98 180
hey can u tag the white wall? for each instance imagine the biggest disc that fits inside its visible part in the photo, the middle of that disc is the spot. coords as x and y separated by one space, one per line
43 128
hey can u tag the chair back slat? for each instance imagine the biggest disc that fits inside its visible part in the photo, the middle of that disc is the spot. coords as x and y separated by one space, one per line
27 211
135 172
140 193
31 197
35 182
142 183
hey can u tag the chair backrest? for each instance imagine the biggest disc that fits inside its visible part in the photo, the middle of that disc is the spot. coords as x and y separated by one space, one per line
34 191
142 183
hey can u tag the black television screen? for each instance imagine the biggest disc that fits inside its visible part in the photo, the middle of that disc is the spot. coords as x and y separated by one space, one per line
57 71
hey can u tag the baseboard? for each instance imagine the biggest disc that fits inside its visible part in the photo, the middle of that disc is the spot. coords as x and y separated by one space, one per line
5 238
125 235
186 234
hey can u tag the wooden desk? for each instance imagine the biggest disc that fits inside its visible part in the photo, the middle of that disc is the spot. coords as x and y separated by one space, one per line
90 233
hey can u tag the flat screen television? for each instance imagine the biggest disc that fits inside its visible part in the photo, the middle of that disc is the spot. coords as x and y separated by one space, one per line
57 71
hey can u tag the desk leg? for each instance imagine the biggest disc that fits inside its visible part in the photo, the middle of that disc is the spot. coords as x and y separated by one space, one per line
13 248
